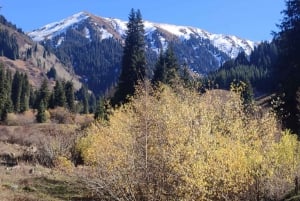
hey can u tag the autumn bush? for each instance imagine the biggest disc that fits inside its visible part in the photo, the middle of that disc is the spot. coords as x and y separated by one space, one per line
24 118
62 116
174 144
56 144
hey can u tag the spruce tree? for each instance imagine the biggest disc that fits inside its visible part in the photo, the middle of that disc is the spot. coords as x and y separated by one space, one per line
133 60
92 103
25 94
52 73
2 90
289 68
16 91
43 95
101 110
59 95
160 70
2 77
172 66
70 96
41 113
167 68
83 97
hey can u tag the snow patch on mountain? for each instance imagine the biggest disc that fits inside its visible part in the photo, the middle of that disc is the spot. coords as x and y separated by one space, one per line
60 40
182 32
104 33
119 25
231 45
87 33
56 28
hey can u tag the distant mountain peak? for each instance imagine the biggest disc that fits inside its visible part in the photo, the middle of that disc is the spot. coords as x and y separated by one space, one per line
50 30
231 45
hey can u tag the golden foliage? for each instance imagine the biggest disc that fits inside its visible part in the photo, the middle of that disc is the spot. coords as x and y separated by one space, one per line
174 144
64 164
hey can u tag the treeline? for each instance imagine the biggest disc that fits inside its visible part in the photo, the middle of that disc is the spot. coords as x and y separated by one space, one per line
18 96
258 70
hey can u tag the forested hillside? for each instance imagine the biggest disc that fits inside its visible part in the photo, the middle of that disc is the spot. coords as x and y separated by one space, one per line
259 70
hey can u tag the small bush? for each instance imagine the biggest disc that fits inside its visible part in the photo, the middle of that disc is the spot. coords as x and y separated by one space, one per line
11 119
25 118
54 145
62 116
64 164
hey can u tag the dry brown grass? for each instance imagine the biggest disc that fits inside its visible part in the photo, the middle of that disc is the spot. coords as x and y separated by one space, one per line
30 146
62 115
37 183
27 117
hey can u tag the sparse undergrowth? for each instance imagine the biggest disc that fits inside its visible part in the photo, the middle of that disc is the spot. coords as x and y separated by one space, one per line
32 183
36 160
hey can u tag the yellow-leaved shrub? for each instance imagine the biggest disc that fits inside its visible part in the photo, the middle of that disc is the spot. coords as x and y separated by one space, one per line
174 144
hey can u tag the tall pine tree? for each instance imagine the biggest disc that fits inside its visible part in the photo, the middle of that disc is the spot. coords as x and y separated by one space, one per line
5 91
59 96
25 94
70 96
16 91
133 60
43 95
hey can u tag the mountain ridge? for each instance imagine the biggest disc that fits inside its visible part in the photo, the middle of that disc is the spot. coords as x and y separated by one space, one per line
220 41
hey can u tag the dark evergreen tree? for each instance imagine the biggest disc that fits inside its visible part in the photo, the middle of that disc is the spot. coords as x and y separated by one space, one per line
83 97
52 73
33 97
247 94
3 91
172 66
8 91
41 113
16 91
241 59
167 68
70 96
298 107
133 60
101 110
160 70
59 96
43 95
289 69
25 94
92 103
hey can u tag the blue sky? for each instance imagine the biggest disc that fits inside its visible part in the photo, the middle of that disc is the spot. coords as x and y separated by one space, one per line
249 19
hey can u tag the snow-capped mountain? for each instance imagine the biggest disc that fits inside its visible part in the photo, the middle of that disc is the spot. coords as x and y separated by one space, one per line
231 45
200 50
